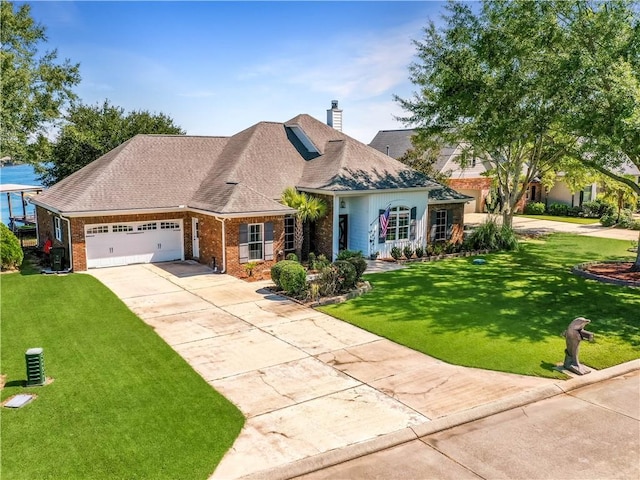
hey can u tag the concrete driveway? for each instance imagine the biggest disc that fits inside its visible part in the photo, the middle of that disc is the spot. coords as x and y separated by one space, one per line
309 385
547 226
592 432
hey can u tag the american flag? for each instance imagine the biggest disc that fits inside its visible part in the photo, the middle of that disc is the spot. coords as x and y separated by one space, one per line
384 222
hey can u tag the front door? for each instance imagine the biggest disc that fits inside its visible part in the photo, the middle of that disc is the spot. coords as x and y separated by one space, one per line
343 232
195 233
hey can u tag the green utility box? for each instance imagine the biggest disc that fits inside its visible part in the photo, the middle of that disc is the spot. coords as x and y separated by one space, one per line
57 258
35 367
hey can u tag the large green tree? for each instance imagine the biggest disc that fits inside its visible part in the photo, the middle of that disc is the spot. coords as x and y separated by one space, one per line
35 87
483 83
90 131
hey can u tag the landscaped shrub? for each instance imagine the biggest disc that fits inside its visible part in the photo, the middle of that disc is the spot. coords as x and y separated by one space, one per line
574 211
293 278
360 264
312 259
608 220
596 209
276 270
534 208
347 254
407 251
346 275
320 262
490 236
396 253
328 281
508 239
292 256
558 209
419 251
11 253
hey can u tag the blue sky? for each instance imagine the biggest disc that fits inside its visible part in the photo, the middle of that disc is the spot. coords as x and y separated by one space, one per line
219 67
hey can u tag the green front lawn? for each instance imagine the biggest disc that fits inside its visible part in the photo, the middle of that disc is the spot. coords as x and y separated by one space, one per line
122 403
508 314
555 218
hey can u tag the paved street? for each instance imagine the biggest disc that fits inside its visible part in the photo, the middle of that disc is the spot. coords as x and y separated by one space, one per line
590 433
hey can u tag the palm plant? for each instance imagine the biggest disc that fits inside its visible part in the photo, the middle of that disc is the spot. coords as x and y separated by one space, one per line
309 209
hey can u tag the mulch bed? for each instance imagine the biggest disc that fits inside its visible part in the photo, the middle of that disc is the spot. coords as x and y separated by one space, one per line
617 271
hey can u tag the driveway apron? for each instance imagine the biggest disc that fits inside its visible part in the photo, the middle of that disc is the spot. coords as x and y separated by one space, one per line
307 383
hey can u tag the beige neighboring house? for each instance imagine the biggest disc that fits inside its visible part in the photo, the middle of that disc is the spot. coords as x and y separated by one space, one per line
216 199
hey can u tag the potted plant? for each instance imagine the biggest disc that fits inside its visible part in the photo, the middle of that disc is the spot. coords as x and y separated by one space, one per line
374 255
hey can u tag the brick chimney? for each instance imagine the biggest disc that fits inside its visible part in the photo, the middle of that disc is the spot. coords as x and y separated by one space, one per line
334 116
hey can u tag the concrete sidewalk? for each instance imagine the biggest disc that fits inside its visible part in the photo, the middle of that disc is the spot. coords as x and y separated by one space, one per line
313 389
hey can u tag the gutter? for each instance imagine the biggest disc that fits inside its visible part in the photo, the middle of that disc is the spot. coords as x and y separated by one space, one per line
224 243
70 244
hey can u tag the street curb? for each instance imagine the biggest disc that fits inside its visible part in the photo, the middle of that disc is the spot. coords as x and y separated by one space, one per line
405 435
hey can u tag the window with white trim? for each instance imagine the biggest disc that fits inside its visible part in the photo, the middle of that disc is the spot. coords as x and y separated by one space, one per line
289 234
399 221
147 226
441 225
98 229
255 241
57 228
122 228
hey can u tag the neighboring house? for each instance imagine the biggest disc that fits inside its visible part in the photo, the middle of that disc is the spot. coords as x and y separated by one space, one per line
561 193
216 199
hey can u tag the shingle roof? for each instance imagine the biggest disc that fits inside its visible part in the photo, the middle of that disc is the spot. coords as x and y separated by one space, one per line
246 172
147 171
398 141
447 195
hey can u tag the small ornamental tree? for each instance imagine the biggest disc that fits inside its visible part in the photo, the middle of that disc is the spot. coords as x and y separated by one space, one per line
10 250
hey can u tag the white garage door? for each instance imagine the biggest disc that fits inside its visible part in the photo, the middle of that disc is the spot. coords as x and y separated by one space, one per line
113 244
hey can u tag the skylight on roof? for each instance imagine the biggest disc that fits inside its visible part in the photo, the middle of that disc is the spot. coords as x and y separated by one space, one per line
306 141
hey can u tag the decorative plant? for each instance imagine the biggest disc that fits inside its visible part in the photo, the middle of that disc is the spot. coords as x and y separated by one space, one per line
419 251
249 267
408 251
396 253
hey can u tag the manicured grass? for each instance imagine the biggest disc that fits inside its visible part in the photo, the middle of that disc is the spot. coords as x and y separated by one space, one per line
553 218
122 403
508 314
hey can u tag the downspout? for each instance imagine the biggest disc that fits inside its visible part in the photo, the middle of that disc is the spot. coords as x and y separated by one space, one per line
224 244
70 244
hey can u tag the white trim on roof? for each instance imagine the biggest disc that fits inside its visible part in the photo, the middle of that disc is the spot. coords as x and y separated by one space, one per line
358 193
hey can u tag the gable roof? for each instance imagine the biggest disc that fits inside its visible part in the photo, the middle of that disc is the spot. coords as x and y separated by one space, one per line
242 174
398 141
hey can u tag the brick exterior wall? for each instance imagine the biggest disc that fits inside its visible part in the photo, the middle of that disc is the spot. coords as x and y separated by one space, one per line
324 230
79 251
210 237
483 185
232 237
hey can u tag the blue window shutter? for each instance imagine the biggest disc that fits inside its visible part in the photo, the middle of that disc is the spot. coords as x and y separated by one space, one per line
412 226
449 225
243 243
432 225
268 241
381 239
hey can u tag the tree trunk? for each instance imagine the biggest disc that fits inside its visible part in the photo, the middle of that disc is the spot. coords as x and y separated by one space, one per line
299 238
636 266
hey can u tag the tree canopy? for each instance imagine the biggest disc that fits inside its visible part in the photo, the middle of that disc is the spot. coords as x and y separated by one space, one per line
90 131
525 86
35 87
